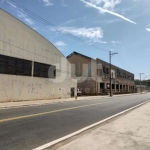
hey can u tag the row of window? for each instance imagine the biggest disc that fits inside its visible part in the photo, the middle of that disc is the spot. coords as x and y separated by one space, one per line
17 66
119 74
123 75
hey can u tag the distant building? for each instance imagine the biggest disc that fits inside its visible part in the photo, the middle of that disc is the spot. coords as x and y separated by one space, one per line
31 67
93 75
142 88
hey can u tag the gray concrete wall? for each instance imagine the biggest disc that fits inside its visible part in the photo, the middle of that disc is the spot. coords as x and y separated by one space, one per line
18 40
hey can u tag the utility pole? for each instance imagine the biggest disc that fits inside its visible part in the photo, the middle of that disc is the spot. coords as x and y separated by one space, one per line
140 82
110 86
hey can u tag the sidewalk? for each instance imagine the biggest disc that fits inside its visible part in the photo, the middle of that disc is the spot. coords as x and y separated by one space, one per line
6 105
130 131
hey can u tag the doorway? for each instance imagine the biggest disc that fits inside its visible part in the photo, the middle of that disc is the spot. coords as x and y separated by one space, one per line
72 92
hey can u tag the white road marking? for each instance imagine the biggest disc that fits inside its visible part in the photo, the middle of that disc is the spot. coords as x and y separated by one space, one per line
86 128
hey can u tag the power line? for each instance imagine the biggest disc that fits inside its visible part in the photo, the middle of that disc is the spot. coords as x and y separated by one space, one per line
22 9
127 63
47 23
124 64
120 62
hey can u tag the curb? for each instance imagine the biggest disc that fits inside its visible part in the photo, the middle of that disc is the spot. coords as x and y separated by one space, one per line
50 144
38 104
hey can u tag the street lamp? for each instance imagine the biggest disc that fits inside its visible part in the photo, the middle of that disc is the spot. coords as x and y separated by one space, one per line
110 55
140 82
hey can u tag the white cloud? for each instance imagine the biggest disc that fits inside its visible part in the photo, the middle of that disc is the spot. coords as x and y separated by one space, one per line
47 3
35 28
106 3
148 29
104 10
11 4
63 4
23 15
69 22
115 42
109 21
91 33
60 43
99 41
29 21
103 42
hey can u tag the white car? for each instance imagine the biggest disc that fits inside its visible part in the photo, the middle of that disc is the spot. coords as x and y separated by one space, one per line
79 92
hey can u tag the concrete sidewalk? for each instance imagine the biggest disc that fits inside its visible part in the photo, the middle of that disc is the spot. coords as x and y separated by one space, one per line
6 105
130 131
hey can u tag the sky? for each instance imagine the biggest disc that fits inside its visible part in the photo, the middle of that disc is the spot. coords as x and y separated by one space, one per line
93 28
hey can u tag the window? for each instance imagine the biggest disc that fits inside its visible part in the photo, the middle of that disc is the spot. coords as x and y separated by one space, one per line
23 67
107 70
15 66
44 70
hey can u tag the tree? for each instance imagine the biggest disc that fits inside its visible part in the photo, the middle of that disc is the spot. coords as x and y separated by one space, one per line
148 82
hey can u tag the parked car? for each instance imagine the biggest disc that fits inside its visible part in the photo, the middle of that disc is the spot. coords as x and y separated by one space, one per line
79 92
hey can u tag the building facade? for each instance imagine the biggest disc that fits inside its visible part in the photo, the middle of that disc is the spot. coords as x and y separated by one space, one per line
31 67
93 76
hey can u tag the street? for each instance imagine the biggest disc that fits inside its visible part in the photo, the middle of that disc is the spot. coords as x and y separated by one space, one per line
30 127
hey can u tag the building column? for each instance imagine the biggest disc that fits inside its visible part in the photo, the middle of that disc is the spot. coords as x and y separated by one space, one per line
105 85
124 87
119 87
115 86
32 71
98 87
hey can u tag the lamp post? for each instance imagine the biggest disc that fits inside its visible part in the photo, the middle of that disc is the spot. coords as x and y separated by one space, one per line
110 86
140 82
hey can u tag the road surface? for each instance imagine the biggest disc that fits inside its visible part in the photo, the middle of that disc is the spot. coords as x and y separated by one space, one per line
27 128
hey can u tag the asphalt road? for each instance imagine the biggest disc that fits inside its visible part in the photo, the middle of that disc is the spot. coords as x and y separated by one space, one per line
30 127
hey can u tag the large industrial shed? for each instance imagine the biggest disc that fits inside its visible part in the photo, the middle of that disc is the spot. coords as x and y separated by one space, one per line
31 67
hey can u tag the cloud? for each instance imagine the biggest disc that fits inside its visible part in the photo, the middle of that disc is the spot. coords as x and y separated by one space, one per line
109 21
60 43
106 3
11 4
63 4
35 28
103 42
23 15
29 21
148 29
103 10
99 41
69 22
47 3
91 33
115 42
20 13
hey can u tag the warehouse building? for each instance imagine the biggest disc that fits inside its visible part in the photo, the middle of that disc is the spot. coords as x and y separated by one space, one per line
31 67
93 76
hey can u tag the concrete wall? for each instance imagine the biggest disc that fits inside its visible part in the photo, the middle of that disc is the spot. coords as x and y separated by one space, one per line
18 40
84 66
88 86
84 69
